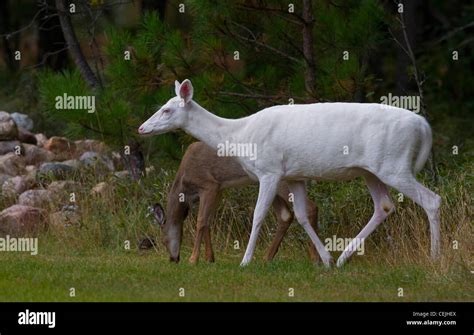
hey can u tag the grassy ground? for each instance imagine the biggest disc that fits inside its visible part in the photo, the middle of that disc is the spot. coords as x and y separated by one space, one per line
148 276
91 257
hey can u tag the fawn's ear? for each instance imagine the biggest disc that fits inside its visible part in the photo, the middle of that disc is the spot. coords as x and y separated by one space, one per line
186 91
159 214
176 87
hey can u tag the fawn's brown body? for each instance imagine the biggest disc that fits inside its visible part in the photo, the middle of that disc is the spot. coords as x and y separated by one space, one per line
201 176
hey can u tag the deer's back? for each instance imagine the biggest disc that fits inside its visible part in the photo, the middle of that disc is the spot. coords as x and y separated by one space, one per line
201 167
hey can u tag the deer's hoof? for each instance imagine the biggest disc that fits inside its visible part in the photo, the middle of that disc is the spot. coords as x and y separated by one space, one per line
210 259
174 260
244 264
328 262
340 262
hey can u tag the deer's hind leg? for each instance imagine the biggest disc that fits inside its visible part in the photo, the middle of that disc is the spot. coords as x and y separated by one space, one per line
208 199
427 199
208 244
383 207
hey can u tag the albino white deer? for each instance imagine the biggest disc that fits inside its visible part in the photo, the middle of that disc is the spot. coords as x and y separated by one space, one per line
323 141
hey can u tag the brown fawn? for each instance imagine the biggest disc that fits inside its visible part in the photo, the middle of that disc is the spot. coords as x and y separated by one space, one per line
202 175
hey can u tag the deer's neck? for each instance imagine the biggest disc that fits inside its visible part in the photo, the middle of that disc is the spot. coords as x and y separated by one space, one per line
176 209
210 128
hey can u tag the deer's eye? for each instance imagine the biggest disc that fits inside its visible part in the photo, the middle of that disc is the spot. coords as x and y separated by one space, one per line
166 111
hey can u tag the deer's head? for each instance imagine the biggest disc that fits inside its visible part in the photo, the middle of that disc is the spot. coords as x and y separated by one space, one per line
172 115
172 229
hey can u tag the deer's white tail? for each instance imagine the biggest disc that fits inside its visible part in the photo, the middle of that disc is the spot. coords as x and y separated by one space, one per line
425 147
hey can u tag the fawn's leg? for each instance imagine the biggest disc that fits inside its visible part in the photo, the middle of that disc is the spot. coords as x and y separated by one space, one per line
207 203
208 244
284 218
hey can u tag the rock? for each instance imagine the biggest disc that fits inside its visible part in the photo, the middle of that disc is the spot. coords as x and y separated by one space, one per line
15 186
4 116
22 120
83 146
100 164
39 198
8 129
62 219
10 146
55 170
101 189
41 139
30 169
26 137
62 148
4 178
118 161
74 163
12 164
64 186
35 155
19 220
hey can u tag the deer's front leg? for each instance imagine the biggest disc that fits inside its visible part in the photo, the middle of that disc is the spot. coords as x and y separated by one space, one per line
207 204
266 194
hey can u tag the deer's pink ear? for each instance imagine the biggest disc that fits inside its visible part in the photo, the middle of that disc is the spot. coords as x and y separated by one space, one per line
176 87
186 91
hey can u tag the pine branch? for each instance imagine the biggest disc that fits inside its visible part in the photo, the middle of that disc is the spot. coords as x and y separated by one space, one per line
45 58
26 27
271 97
453 32
261 44
270 9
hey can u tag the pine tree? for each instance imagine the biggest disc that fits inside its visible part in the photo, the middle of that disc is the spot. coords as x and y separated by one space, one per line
240 56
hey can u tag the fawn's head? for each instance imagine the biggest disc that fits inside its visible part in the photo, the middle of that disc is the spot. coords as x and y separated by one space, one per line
172 115
171 229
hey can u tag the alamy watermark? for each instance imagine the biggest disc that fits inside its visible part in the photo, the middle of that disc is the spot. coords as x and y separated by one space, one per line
66 101
229 149
410 102
37 318
340 244
19 244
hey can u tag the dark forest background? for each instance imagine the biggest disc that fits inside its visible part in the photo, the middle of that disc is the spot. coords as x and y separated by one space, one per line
241 56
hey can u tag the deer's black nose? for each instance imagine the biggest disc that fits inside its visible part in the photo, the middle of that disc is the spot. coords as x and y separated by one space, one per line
174 259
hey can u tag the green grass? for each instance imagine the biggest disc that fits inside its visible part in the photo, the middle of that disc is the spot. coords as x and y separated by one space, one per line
90 256
148 276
